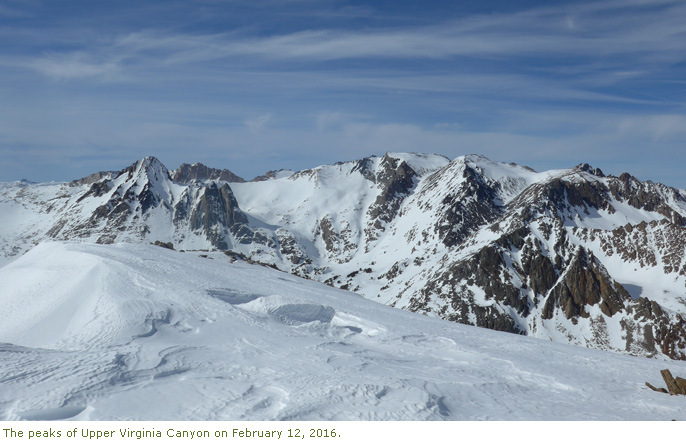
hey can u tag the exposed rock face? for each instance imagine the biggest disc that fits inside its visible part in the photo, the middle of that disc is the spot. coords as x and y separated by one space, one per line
472 204
662 330
366 168
93 178
647 196
337 244
648 244
270 175
200 172
585 282
395 180
215 211
292 250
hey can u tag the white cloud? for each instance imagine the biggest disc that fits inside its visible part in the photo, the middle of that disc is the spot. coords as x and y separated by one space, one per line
646 35
657 128
330 120
73 66
522 86
258 125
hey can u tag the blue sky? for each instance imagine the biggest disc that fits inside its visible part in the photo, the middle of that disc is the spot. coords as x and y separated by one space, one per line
258 85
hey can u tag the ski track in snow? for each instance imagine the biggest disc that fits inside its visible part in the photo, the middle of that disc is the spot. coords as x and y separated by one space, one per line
150 334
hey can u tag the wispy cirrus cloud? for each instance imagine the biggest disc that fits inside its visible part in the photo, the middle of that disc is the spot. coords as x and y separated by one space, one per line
558 82
604 30
76 65
258 124
14 9
655 127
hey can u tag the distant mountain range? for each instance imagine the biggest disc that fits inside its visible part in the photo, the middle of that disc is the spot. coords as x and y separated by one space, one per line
573 255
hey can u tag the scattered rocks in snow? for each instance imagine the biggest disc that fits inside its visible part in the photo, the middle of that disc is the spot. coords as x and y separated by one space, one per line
652 387
676 386
168 245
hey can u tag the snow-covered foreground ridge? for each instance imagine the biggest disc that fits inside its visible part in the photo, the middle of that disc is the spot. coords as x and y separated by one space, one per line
573 255
133 331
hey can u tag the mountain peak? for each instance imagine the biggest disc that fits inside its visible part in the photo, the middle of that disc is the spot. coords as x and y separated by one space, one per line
151 165
273 174
585 167
421 163
146 170
475 158
200 172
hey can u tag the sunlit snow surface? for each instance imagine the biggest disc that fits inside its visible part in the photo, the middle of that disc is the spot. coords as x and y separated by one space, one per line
140 332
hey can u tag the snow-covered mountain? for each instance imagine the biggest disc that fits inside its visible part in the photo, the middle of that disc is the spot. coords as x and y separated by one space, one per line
571 255
138 332
139 203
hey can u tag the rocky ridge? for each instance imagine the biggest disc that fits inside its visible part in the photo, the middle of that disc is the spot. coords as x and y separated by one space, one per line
200 172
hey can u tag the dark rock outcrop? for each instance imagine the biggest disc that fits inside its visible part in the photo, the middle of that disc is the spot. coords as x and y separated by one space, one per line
94 178
167 245
585 282
200 172
216 212
472 205
395 180
676 386
270 175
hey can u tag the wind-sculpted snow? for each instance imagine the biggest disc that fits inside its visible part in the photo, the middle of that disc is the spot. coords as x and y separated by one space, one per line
232 297
128 331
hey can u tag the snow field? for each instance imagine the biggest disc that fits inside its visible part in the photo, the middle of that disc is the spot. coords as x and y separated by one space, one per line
123 332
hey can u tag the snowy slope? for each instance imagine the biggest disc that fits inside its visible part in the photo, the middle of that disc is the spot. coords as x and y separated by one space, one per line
131 331
492 244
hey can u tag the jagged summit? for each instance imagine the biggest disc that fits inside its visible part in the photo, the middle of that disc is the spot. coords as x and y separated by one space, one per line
274 174
200 172
147 169
421 163
474 158
585 167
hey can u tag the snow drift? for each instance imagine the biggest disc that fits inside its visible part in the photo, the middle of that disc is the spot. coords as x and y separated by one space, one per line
132 331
